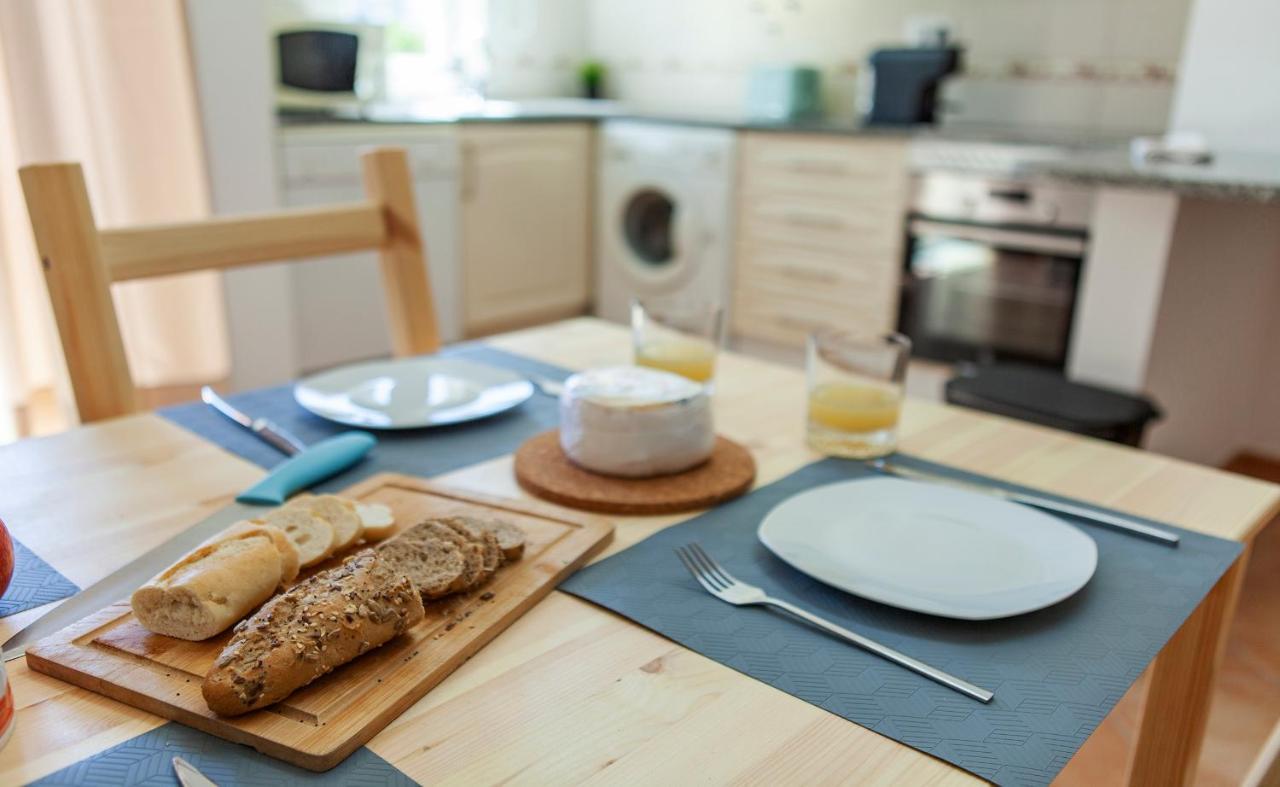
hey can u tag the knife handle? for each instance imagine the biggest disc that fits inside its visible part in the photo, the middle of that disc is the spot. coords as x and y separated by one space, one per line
318 462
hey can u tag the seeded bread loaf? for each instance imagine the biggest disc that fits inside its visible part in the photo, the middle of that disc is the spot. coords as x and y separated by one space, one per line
306 632
211 588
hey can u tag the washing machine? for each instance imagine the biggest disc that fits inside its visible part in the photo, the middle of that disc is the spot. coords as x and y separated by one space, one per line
664 214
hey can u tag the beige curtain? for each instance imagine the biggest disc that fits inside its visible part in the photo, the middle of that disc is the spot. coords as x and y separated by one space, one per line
107 84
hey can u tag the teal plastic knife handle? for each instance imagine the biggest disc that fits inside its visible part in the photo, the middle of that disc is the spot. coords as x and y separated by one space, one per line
310 466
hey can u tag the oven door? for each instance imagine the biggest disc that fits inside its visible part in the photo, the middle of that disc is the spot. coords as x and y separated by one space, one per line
983 293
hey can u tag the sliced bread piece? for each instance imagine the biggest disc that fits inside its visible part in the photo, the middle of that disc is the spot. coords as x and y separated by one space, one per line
290 559
377 521
211 588
491 555
510 537
338 512
435 565
312 535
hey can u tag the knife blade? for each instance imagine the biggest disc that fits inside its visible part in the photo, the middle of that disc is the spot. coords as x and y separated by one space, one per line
189 775
316 463
267 430
1113 521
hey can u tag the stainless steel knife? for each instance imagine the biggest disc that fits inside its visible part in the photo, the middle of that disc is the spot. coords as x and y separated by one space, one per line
305 468
1113 521
189 775
267 430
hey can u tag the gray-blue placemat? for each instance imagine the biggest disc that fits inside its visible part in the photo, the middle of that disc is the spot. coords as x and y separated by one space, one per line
422 452
1056 673
147 761
35 583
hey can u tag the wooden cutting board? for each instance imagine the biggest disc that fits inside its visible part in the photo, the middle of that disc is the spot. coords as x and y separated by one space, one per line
110 653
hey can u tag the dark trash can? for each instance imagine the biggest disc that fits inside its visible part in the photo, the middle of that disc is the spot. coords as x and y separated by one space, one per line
1046 397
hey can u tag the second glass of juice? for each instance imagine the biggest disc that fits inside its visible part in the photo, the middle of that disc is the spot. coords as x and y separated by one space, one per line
855 392
677 336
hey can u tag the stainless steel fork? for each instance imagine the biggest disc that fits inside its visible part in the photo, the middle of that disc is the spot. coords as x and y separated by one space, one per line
721 584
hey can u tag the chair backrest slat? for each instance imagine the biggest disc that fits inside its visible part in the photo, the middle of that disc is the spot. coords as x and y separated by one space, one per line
163 250
81 261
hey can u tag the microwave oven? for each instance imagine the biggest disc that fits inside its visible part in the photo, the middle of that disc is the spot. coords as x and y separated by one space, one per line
319 65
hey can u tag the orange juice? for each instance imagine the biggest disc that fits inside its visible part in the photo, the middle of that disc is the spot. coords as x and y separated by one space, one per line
690 358
853 419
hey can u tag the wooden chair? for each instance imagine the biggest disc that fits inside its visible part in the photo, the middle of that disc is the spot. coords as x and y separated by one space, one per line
81 262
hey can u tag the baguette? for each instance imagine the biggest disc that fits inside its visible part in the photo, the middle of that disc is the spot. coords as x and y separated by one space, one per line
306 632
313 536
211 588
339 513
290 560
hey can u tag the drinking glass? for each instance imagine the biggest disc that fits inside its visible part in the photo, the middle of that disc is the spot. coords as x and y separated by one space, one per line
679 336
855 392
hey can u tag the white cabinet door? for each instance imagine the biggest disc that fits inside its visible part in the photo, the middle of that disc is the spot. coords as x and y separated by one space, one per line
526 196
339 306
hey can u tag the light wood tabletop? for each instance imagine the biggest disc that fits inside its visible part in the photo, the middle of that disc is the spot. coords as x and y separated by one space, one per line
572 692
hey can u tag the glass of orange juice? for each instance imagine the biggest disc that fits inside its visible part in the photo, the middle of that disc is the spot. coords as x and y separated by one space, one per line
678 336
855 392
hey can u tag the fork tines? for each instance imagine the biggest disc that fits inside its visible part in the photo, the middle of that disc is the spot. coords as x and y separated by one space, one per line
704 568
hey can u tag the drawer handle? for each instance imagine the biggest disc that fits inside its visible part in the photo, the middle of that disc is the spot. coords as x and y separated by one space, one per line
825 277
788 321
814 221
809 167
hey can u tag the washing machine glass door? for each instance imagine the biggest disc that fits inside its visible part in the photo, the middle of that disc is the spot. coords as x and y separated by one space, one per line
653 230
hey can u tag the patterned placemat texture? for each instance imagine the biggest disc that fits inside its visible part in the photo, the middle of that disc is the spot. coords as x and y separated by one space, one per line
148 760
35 583
423 452
1056 673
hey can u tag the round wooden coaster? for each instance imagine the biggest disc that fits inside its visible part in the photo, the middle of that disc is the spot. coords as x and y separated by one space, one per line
544 470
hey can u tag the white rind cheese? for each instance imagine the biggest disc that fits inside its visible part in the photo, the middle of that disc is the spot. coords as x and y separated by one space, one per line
635 422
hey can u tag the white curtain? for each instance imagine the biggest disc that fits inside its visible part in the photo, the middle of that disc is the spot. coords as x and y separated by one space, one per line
107 84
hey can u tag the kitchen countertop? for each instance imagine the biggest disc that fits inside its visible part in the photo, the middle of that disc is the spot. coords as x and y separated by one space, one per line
1090 158
1232 175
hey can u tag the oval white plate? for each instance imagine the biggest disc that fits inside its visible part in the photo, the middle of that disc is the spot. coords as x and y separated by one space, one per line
930 548
409 393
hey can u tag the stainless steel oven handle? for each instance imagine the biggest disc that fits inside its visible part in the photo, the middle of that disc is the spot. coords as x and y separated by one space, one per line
1002 238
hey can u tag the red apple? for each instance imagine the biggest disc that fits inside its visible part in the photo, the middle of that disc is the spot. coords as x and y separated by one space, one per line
6 558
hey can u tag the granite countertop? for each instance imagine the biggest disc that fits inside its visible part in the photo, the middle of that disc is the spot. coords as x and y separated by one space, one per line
1080 157
1232 175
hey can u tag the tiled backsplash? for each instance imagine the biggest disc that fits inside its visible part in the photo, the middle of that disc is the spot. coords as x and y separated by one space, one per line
1092 64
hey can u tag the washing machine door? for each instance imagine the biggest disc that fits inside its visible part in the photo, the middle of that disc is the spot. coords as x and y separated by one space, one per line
660 237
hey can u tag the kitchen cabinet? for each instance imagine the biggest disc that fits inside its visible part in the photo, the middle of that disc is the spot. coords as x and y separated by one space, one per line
819 235
339 308
526 210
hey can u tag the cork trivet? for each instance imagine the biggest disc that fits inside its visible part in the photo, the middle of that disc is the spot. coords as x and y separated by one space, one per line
543 470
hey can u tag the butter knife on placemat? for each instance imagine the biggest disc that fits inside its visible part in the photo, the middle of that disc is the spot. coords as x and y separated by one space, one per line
1104 518
304 468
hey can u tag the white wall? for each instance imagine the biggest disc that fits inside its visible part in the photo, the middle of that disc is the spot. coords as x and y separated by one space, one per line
1102 64
535 47
1227 88
237 111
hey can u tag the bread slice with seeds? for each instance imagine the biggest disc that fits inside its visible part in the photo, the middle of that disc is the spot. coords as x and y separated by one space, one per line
491 554
437 565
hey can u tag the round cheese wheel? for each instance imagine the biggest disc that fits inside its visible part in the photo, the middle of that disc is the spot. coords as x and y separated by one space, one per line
635 422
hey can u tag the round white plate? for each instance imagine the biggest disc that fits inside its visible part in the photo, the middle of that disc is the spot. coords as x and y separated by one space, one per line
930 548
411 392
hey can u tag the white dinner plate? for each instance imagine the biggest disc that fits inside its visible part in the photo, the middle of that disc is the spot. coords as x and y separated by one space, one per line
930 548
410 393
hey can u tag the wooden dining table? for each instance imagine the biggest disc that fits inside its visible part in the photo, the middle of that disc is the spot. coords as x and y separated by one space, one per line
571 692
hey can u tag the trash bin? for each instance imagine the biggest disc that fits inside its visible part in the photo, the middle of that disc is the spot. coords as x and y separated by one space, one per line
1046 397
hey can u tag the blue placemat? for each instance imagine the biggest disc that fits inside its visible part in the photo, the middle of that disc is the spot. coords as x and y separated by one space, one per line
423 452
1056 673
148 760
35 583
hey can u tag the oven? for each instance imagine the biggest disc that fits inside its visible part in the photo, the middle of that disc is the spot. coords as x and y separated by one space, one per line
992 268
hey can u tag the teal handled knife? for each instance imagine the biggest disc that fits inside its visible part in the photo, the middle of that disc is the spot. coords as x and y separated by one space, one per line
305 467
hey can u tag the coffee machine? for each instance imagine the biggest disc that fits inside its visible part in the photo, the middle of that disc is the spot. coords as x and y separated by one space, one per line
904 84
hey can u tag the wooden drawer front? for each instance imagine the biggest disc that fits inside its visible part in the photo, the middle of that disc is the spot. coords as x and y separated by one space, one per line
815 222
820 275
873 169
788 320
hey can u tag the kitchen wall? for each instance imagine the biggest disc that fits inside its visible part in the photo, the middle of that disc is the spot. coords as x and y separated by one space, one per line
1090 64
1227 87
